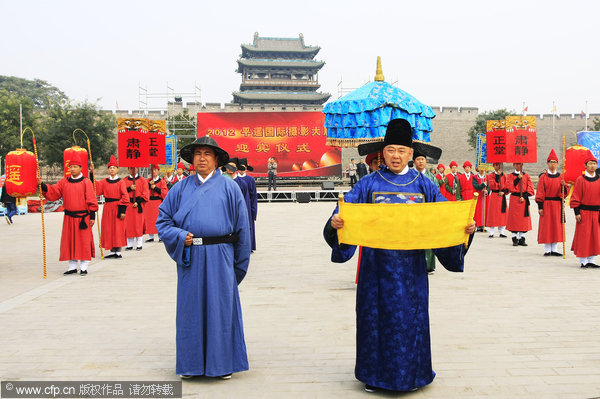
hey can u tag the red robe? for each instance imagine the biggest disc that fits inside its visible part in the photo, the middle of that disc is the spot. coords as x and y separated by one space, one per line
478 185
494 216
466 186
115 204
151 208
519 217
548 198
76 243
134 219
451 186
586 193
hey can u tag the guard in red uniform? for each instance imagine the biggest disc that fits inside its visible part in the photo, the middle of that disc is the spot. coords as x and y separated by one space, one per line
466 182
585 202
137 188
496 212
441 179
158 190
452 183
79 200
480 186
113 213
179 176
550 192
520 186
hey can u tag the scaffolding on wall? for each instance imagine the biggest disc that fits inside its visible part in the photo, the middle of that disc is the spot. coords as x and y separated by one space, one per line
165 102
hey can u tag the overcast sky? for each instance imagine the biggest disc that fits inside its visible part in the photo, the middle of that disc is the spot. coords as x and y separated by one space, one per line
465 53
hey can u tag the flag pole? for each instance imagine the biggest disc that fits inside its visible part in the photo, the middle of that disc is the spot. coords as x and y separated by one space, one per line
95 190
586 116
39 176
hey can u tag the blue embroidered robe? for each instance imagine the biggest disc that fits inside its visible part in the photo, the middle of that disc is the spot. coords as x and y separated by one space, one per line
210 335
393 349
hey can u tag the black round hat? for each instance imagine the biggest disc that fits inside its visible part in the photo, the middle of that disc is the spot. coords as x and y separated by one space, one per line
187 152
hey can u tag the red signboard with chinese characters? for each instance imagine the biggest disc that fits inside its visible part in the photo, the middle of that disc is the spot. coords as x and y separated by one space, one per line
512 140
521 139
133 142
156 142
495 141
295 139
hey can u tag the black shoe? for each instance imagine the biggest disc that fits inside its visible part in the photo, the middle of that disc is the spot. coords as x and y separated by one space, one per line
186 377
479 229
515 241
502 236
225 377
555 254
83 273
548 254
128 248
70 272
138 249
592 266
370 388
584 266
150 240
491 236
110 256
522 242
118 256
159 240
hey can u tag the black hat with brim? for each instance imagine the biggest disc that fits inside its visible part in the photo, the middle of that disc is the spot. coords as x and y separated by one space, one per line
244 162
187 152
431 152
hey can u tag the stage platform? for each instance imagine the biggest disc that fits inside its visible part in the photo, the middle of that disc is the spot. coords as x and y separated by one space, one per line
292 195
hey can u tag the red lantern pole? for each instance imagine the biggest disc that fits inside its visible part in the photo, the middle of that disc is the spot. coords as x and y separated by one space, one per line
95 189
39 176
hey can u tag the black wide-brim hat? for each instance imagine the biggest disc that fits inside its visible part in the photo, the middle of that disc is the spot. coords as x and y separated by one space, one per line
244 162
187 152
431 152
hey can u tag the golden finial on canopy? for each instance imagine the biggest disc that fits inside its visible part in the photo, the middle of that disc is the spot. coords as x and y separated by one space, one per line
379 72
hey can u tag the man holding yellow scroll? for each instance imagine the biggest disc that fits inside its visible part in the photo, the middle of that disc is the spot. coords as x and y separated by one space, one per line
392 338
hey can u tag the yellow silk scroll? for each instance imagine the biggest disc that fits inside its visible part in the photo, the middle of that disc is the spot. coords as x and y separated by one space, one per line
406 226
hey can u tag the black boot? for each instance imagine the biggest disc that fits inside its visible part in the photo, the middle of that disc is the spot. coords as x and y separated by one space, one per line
515 241
522 242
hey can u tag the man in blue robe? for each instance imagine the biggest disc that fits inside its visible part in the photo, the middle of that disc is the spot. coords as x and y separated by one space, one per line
203 223
252 197
393 349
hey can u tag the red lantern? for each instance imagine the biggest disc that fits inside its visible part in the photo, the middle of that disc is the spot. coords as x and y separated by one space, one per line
68 156
574 162
21 173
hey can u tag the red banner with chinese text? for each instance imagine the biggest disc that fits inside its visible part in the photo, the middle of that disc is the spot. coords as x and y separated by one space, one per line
495 139
521 139
512 140
157 147
133 149
295 139
133 142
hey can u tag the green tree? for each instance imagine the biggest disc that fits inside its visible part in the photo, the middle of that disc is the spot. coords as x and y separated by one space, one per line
480 123
61 121
596 124
10 138
39 91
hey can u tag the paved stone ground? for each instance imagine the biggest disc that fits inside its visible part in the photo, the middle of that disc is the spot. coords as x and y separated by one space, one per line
514 325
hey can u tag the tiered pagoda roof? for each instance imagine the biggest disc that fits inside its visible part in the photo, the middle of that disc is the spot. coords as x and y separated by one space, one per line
279 71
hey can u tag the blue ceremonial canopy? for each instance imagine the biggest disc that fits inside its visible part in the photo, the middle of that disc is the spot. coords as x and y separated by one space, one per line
362 115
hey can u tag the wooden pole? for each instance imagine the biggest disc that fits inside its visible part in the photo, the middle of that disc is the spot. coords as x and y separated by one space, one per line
562 202
39 175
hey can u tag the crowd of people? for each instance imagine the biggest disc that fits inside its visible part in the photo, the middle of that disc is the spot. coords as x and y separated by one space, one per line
206 217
